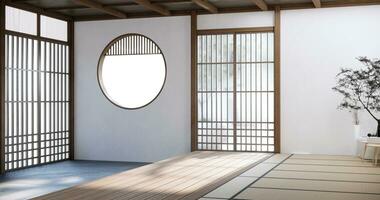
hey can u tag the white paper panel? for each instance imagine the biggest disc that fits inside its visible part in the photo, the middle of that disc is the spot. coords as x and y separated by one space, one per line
20 20
53 28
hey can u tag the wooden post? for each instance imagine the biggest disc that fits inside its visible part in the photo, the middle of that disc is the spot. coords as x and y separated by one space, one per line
194 98
71 89
2 87
277 80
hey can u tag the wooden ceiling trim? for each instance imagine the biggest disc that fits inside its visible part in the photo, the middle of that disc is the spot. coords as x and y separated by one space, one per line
206 5
100 7
118 4
147 4
317 3
289 6
261 4
31 8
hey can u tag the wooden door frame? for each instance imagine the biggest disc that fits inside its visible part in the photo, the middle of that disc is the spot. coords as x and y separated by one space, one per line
277 75
2 87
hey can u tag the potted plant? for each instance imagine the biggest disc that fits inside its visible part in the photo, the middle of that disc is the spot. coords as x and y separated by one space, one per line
361 88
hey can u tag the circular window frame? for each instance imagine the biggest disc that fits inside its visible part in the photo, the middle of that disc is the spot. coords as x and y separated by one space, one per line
100 66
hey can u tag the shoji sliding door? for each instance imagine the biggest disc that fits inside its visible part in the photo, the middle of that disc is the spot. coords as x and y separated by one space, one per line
36 98
36 110
255 92
54 103
21 97
235 91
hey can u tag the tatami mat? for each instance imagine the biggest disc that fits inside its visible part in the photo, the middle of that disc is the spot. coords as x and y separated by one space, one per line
324 157
372 188
336 169
277 158
358 163
232 187
315 177
259 170
325 176
277 194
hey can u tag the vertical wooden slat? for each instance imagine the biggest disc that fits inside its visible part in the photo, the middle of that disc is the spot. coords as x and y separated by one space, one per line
71 89
194 97
2 87
45 105
50 113
12 119
38 90
211 93
234 91
17 98
277 80
60 75
26 114
22 101
7 106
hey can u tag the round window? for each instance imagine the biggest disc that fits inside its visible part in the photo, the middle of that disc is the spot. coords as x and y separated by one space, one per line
131 71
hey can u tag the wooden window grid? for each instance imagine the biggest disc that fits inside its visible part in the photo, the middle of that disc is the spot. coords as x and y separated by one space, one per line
235 90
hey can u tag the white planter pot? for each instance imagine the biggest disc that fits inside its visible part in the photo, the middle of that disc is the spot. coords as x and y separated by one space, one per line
357 132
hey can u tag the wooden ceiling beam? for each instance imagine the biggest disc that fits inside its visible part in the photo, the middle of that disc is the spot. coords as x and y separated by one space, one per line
100 7
206 5
261 4
156 8
317 3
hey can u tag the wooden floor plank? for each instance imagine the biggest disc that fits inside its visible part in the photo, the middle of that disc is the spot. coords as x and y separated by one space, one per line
138 174
171 182
145 180
203 186
174 192
177 178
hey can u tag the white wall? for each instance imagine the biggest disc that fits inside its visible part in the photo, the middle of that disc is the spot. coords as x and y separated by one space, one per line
315 43
160 130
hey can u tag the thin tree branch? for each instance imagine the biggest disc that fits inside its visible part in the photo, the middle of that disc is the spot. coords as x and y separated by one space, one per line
365 107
